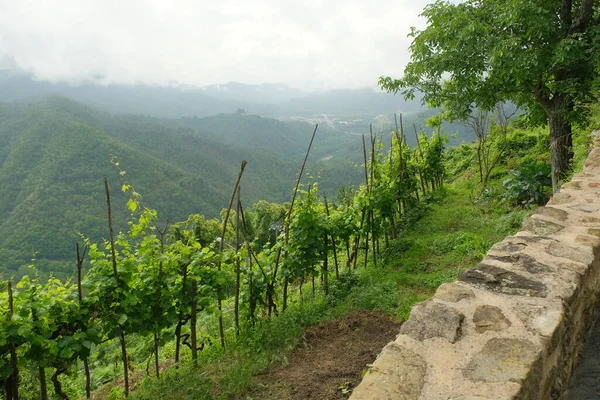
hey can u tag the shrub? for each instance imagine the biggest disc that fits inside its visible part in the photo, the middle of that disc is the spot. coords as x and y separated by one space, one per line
395 251
463 243
340 288
530 184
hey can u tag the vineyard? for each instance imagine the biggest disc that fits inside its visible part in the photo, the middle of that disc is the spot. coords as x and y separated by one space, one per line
158 281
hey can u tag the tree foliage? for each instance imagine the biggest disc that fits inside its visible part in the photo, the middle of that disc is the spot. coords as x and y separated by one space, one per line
541 55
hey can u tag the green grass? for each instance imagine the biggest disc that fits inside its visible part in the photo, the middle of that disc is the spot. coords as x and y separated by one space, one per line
453 235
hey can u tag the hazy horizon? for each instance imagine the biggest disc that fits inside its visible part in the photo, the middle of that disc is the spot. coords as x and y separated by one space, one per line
306 88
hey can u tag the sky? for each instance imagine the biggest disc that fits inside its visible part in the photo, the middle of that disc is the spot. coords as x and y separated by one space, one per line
308 44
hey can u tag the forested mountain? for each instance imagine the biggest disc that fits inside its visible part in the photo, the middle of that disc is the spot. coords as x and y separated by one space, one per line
55 153
286 139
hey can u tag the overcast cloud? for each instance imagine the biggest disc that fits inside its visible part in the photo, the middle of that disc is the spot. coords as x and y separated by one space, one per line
331 43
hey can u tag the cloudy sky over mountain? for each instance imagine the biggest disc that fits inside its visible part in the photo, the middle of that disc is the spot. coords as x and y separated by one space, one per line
322 43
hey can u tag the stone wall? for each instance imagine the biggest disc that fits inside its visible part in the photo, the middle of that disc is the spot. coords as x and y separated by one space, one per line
513 326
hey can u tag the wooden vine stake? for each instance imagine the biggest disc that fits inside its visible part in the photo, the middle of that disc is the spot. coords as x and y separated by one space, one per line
423 183
116 276
181 318
271 286
251 256
399 138
193 322
374 238
161 233
365 213
333 245
86 365
236 313
11 384
222 245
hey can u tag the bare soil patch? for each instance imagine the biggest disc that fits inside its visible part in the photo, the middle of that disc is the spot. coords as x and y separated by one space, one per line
330 361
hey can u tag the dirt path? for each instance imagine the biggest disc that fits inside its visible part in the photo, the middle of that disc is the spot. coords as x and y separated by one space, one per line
331 361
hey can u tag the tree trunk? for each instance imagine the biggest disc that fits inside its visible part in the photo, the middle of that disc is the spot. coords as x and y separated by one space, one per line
156 365
57 385
43 387
88 384
178 340
125 363
561 144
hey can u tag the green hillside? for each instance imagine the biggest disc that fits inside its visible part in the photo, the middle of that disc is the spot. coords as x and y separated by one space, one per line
287 139
55 154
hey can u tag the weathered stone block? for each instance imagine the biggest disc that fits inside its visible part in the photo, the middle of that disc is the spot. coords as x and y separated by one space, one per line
591 162
498 279
453 292
594 232
398 374
572 253
560 198
541 226
572 185
508 247
552 212
430 319
588 240
524 261
502 360
584 208
590 221
547 322
490 318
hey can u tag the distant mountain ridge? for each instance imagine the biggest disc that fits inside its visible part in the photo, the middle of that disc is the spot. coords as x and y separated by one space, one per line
264 93
274 100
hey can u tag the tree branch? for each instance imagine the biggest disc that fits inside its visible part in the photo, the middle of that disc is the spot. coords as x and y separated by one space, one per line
584 16
565 14
541 96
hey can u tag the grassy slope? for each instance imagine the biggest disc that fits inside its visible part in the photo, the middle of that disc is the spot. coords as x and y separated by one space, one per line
452 236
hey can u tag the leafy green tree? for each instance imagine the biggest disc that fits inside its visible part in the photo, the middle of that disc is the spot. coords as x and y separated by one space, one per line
542 55
266 222
306 247
206 231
